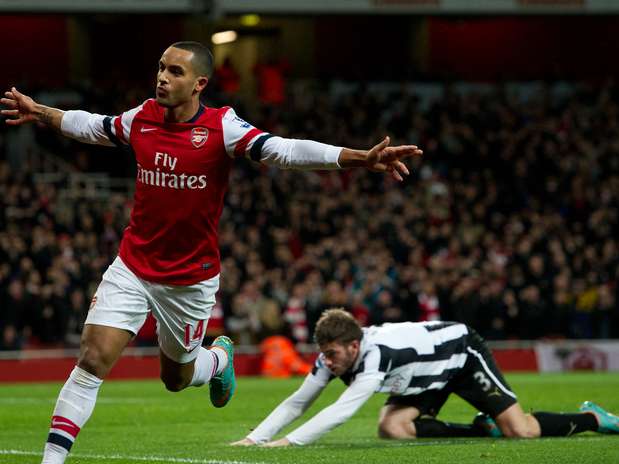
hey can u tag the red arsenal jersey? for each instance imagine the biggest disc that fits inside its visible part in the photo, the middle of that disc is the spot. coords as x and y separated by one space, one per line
182 177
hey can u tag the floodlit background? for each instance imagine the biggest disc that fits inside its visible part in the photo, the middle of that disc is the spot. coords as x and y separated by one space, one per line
509 223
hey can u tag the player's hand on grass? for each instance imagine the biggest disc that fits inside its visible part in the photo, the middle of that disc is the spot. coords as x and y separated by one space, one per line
277 443
21 108
243 442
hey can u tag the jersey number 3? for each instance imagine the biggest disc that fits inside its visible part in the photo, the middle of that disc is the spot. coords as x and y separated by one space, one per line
483 381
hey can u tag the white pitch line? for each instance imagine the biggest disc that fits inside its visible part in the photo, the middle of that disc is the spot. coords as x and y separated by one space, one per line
105 457
27 400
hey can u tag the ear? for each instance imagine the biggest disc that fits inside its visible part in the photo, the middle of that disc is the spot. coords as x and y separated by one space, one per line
201 84
355 344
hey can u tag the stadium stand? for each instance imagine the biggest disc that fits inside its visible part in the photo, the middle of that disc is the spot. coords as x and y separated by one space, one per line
509 223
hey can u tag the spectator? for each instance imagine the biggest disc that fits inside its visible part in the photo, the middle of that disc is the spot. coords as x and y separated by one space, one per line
509 223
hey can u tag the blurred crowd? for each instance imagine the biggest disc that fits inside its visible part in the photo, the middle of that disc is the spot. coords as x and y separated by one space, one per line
509 223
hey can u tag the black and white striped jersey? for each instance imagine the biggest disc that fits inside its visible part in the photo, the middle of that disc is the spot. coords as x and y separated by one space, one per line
409 357
400 359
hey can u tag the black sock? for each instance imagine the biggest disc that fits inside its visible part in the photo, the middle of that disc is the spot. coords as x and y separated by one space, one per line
563 425
432 428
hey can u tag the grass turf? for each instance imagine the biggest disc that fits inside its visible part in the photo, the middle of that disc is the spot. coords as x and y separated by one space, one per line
137 422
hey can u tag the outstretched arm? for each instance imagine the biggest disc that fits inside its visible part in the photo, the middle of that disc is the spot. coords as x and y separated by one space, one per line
291 408
307 154
22 109
242 139
339 412
76 124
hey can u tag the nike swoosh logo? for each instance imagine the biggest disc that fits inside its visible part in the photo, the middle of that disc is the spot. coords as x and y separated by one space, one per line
148 129
189 349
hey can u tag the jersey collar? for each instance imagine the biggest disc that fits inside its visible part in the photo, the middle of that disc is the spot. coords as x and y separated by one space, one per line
197 115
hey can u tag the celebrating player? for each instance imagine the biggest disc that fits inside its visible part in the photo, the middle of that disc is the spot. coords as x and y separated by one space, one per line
419 365
169 260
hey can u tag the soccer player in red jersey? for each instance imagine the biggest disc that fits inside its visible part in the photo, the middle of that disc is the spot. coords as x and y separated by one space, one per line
169 260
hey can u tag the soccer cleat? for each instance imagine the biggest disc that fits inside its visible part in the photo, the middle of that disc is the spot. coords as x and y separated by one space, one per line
222 386
488 425
607 422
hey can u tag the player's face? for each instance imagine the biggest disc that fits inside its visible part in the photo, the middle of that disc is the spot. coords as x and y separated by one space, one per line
339 357
177 81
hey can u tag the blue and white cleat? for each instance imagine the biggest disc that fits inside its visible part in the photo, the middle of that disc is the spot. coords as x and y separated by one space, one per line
607 422
223 385
487 423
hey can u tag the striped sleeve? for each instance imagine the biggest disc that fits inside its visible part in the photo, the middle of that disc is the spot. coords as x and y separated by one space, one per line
98 129
126 122
240 136
242 139
109 127
86 127
118 128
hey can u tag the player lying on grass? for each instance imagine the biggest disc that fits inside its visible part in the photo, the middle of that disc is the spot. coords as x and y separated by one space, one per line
419 365
168 261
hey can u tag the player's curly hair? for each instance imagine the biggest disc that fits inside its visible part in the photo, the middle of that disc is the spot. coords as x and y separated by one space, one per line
337 325
202 59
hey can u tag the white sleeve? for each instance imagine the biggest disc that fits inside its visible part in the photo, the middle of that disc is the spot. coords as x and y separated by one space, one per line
85 127
291 408
243 139
299 154
359 391
98 129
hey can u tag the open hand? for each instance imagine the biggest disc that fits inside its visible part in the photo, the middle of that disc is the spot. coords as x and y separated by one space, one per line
383 158
21 108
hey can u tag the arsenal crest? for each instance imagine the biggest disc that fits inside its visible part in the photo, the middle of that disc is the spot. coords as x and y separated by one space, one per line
199 136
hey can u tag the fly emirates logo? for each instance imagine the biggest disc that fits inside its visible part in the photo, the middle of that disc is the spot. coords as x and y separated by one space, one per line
163 176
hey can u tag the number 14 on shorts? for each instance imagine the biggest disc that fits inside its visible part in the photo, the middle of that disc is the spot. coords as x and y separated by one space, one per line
198 334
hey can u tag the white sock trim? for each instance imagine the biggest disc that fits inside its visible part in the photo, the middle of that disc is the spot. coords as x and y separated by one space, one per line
85 378
204 367
74 406
222 357
54 454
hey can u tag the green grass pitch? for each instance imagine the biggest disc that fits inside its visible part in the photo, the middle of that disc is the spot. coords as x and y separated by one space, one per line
139 422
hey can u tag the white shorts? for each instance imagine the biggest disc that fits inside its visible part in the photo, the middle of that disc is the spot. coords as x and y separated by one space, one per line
182 311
